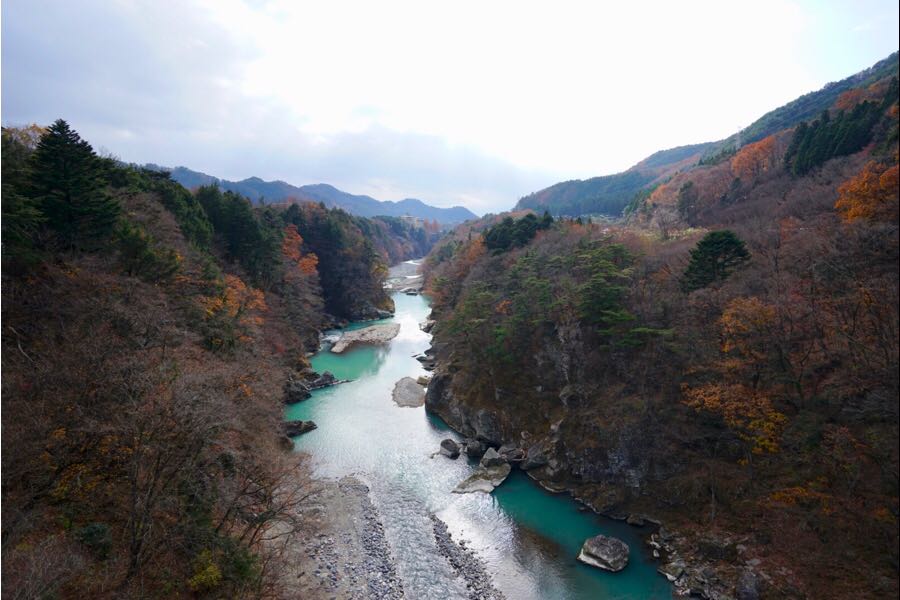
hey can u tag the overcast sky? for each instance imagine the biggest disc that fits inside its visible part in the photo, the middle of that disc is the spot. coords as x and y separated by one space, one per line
472 103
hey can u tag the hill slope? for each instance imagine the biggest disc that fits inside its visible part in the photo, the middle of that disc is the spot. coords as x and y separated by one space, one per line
257 189
610 194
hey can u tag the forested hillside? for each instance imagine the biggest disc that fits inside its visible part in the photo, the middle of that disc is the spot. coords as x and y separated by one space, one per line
148 333
611 194
727 362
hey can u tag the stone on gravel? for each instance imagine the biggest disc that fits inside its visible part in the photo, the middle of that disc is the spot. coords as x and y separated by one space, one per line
604 552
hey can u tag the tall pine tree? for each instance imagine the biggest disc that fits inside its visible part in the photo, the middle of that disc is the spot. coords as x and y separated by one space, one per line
67 182
716 256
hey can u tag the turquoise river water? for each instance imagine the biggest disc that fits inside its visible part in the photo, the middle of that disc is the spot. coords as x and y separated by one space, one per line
527 537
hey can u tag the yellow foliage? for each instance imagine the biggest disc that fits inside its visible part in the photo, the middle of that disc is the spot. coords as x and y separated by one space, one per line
749 413
871 195
207 574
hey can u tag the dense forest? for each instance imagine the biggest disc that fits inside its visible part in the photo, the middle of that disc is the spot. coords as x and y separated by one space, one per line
725 362
148 331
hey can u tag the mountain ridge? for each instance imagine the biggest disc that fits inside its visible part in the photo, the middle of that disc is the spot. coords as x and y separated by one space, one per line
258 189
611 194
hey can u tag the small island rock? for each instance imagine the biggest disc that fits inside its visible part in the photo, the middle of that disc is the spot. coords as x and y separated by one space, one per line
374 334
407 392
605 552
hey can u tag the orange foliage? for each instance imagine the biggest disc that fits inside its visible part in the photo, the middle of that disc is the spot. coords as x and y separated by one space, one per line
290 245
238 303
871 195
754 159
745 325
291 251
308 264
747 412
849 99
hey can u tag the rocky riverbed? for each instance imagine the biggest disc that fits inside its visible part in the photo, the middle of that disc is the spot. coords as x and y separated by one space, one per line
347 556
465 563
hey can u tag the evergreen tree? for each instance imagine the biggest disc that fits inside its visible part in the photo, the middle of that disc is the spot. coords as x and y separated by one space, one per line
67 182
716 256
21 214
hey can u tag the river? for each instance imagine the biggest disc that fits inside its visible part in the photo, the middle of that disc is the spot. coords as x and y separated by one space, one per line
527 537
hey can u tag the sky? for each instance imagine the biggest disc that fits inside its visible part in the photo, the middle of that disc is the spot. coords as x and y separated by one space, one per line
455 103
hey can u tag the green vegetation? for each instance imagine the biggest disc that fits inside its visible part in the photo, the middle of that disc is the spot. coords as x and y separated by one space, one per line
511 233
714 259
604 195
825 138
66 183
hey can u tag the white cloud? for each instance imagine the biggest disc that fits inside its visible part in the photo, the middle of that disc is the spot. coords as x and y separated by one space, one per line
479 102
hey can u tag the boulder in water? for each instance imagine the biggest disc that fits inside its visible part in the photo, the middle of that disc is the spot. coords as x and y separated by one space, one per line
484 479
474 448
449 448
492 458
407 392
604 552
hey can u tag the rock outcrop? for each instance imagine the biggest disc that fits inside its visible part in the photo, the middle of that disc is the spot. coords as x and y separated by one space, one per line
374 334
295 428
604 552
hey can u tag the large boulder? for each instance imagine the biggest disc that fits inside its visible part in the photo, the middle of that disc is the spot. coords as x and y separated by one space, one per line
604 552
474 448
449 448
492 458
534 458
484 479
407 392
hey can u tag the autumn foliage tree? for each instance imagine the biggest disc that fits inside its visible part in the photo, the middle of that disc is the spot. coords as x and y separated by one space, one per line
871 195
754 159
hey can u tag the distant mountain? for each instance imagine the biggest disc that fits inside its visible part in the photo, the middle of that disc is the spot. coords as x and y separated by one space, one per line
257 189
610 194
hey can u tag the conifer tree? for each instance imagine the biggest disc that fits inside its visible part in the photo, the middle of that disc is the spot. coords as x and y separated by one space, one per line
716 256
67 182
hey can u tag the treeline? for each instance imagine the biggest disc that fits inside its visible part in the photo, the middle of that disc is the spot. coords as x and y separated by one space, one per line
848 132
